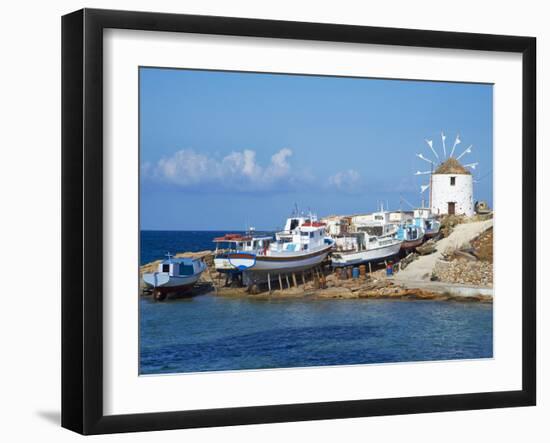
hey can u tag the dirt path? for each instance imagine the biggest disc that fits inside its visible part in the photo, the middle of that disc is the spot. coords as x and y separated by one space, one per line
421 269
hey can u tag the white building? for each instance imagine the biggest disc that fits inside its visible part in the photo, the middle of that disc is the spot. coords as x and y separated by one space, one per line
361 219
336 224
400 216
452 189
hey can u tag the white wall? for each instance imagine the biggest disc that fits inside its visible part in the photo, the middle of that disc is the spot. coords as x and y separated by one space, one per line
30 219
460 193
362 219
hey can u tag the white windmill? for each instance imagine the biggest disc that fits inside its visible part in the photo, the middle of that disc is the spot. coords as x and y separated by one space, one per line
451 183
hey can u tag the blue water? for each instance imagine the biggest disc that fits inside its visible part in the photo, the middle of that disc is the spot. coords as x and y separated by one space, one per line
155 244
209 333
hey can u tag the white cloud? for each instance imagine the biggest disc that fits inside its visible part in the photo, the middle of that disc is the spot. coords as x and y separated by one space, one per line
345 180
238 170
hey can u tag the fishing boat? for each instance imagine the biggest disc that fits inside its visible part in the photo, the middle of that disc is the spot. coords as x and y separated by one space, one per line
424 218
303 244
411 235
174 275
378 225
361 247
238 243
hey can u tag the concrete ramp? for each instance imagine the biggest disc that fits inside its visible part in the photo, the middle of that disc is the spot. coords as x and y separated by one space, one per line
421 269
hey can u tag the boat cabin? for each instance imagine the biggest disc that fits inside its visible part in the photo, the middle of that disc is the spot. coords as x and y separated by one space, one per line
381 217
409 232
309 235
182 267
422 213
239 242
363 241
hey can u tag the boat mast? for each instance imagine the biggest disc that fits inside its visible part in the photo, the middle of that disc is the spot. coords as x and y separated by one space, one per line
431 173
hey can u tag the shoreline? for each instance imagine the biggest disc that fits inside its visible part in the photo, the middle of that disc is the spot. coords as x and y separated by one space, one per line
374 286
419 278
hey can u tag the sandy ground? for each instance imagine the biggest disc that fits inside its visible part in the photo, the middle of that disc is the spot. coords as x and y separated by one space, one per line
421 269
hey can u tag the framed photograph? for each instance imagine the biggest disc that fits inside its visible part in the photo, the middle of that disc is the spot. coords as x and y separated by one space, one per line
269 221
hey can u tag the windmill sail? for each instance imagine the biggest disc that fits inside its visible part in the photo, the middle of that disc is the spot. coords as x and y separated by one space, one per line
457 142
466 151
425 159
431 145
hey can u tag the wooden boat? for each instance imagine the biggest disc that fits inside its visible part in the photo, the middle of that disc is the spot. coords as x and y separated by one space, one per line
361 247
411 236
424 219
302 245
249 243
174 275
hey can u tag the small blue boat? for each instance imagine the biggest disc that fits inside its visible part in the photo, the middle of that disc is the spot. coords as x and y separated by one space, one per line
424 219
411 235
174 275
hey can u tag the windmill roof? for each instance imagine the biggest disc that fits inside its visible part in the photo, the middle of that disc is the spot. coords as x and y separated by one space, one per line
451 166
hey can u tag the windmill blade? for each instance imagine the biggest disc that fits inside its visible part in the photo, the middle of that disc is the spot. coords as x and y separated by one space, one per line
457 142
422 172
471 165
423 188
443 137
466 151
431 145
425 159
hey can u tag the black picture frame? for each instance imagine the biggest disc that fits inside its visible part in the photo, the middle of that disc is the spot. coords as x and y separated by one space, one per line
82 215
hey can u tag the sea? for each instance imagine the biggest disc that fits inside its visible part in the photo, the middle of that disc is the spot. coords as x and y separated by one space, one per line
210 333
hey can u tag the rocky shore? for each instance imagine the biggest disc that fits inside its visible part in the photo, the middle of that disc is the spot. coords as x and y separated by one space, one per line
471 263
329 286
460 268
375 286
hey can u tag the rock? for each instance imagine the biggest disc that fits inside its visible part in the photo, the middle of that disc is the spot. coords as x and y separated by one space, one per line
464 271
427 248
466 255
337 293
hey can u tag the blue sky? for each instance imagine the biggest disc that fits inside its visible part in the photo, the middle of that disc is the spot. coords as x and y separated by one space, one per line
219 150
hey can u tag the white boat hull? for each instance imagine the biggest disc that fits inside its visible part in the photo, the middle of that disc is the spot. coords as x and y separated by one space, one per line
223 265
371 255
163 280
279 262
